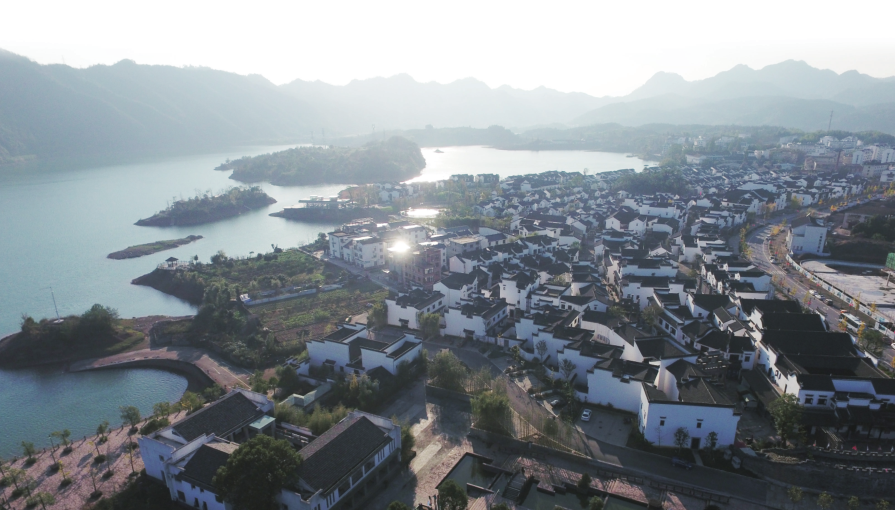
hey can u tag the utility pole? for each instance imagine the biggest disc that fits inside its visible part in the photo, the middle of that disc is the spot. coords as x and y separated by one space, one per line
830 124
54 302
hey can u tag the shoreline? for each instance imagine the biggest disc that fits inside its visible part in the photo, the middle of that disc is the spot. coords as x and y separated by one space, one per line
196 379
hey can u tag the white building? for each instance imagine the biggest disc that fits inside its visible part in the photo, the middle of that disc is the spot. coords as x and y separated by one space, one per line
807 235
354 349
405 310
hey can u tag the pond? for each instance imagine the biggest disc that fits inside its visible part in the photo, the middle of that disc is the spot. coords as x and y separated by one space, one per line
474 470
537 500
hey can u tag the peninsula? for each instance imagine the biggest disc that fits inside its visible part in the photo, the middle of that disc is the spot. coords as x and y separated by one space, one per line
207 208
132 252
395 159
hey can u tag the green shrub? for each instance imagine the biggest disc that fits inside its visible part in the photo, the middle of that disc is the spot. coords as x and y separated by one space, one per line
99 459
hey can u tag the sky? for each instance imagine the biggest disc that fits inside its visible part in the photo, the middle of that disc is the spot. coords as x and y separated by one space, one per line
597 47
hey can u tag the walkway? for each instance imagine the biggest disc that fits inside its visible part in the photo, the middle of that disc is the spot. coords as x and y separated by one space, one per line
220 371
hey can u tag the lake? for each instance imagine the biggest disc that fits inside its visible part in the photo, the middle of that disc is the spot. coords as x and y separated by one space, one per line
59 220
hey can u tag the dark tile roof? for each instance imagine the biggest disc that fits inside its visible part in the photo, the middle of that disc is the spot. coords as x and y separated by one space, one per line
203 465
418 298
792 322
761 386
684 370
660 348
711 301
339 450
809 342
456 281
769 306
698 391
219 418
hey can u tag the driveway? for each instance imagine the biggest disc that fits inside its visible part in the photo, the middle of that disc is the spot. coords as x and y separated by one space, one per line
606 426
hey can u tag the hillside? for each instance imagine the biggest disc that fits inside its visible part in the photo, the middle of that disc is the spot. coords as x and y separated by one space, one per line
52 110
395 159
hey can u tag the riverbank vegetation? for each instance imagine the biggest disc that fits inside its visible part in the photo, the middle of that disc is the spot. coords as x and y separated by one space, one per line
206 208
95 333
260 335
395 159
140 250
651 181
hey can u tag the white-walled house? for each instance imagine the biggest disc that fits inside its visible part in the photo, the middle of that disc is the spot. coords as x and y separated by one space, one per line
339 468
476 319
807 235
700 408
354 349
457 287
405 310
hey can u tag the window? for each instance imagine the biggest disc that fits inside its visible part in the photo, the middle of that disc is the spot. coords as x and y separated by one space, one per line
809 400
343 489
699 424
181 496
822 400
662 421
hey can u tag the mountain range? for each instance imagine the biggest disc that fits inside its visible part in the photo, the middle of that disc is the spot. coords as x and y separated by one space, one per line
52 110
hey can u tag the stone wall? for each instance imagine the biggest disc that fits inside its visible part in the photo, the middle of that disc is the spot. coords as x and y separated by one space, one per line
862 482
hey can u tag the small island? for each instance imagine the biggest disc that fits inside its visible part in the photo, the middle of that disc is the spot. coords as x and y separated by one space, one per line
207 208
132 252
395 159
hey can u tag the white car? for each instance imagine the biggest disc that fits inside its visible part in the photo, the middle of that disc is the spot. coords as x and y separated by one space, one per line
585 415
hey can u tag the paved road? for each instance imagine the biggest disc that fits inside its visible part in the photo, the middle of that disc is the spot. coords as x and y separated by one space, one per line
645 464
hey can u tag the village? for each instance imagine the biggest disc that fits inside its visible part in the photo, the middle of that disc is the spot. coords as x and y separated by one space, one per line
592 347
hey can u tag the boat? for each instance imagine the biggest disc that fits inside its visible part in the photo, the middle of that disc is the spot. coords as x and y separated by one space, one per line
630 156
439 151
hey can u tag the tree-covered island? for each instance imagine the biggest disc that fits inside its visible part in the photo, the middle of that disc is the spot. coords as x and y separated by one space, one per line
395 159
206 208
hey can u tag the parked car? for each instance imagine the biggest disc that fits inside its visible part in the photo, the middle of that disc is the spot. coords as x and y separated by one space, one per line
585 415
681 463
556 403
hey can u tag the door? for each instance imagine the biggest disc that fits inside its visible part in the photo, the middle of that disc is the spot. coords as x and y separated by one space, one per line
694 443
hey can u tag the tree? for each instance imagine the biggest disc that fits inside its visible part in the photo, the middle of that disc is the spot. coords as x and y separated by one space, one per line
451 496
595 503
681 437
824 500
501 506
871 339
794 494
258 383
161 409
491 409
711 441
397 505
786 412
190 402
99 320
430 325
584 483
130 415
42 498
853 503
541 347
28 450
101 430
567 368
378 314
650 315
882 505
447 371
256 473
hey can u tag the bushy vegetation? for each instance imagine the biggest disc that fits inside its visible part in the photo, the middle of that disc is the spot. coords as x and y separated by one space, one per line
256 473
318 421
98 331
491 408
650 181
879 228
447 372
395 159
204 208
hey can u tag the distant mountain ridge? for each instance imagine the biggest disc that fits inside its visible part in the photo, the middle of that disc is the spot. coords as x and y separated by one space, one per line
790 94
52 110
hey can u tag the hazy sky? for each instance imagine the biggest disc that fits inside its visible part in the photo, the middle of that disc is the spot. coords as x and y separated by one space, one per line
602 48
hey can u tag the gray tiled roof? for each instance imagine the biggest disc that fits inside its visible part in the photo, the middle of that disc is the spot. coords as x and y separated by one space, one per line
219 418
339 450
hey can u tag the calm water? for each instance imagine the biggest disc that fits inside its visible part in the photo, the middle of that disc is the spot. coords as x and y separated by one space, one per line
59 220
34 403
